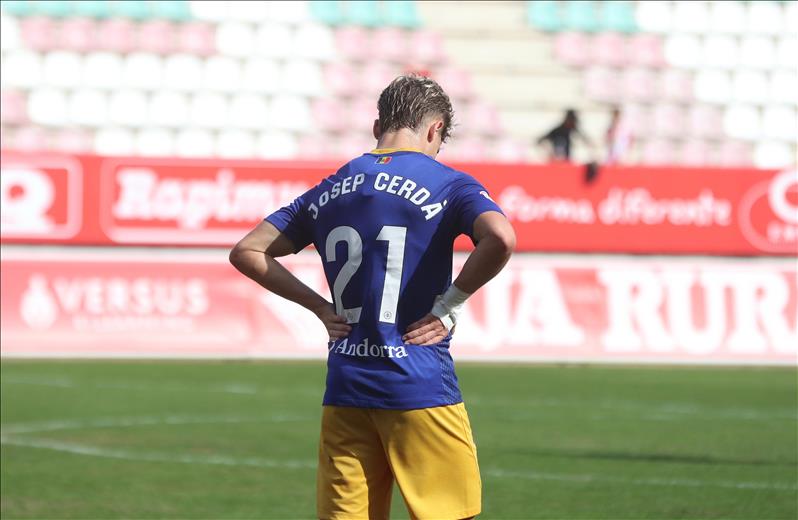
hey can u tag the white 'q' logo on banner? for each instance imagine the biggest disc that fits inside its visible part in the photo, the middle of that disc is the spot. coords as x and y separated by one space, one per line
777 196
38 307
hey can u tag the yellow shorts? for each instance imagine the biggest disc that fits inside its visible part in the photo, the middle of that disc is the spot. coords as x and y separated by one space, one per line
430 452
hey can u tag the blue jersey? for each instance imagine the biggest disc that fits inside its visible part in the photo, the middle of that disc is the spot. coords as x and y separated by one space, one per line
384 225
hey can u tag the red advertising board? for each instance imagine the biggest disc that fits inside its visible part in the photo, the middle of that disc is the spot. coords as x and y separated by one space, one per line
142 201
128 303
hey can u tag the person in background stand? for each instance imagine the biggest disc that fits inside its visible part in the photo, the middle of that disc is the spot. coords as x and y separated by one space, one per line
619 138
559 137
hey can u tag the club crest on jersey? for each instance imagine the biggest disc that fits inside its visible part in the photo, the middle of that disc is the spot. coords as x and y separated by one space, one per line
384 160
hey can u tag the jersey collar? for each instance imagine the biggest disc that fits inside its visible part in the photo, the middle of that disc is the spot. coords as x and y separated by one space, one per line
381 151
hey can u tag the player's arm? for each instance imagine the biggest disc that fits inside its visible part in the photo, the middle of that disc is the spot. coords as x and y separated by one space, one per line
495 242
255 257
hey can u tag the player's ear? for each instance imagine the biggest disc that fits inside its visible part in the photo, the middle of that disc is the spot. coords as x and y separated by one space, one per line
435 127
376 130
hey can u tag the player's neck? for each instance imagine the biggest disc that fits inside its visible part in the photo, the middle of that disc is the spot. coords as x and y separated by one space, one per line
403 139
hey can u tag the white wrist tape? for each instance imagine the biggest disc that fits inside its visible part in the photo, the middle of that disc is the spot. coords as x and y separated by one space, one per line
448 306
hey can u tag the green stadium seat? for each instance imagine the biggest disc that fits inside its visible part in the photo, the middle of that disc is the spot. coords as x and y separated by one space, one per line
363 12
18 7
582 16
327 11
175 10
135 9
545 15
93 8
619 16
54 8
401 13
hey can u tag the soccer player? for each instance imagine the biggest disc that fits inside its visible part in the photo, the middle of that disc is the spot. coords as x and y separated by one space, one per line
384 225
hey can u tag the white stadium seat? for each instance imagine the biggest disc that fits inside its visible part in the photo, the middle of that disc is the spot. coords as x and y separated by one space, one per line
168 108
182 72
277 145
742 122
194 142
143 70
209 109
113 141
314 41
88 108
683 50
654 16
712 86
128 108
102 70
758 52
273 40
750 86
235 39
157 142
22 69
780 122
290 112
48 107
235 144
9 33
692 17
288 11
247 11
302 77
791 17
210 10
720 51
764 17
261 75
221 73
727 17
787 52
784 87
249 111
62 69
770 154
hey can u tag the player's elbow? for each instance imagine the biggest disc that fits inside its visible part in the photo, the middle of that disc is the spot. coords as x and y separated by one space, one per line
505 238
240 256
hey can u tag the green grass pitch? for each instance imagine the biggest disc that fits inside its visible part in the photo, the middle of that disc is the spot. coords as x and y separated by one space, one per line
201 440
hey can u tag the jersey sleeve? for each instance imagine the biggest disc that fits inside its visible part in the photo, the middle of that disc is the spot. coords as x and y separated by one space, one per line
294 221
470 200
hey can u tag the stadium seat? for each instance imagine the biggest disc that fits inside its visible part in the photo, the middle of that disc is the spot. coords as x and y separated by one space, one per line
545 15
455 81
639 119
113 141
676 85
133 9
375 76
639 84
72 141
39 33
771 154
482 118
168 109
602 84
78 34
156 36
705 121
467 148
758 52
572 48
352 43
654 16
249 111
742 122
62 69
314 41
288 11
117 35
669 121
764 17
48 107
9 33
353 145
695 153
154 142
209 10
508 151
22 69
302 77
235 144
290 112
143 71
691 17
328 12
260 75
277 145
193 142
128 108
317 146
401 13
209 110
271 40
727 18
30 139
783 87
712 86
618 16
581 15
362 112
780 122
88 108
12 107
329 115
609 49
791 17
248 11
719 52
362 12
221 74
426 47
174 10
683 50
338 79
750 86
734 153
237 39
93 8
102 70
196 38
392 42
787 51
19 7
54 8
182 72
658 152
645 50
